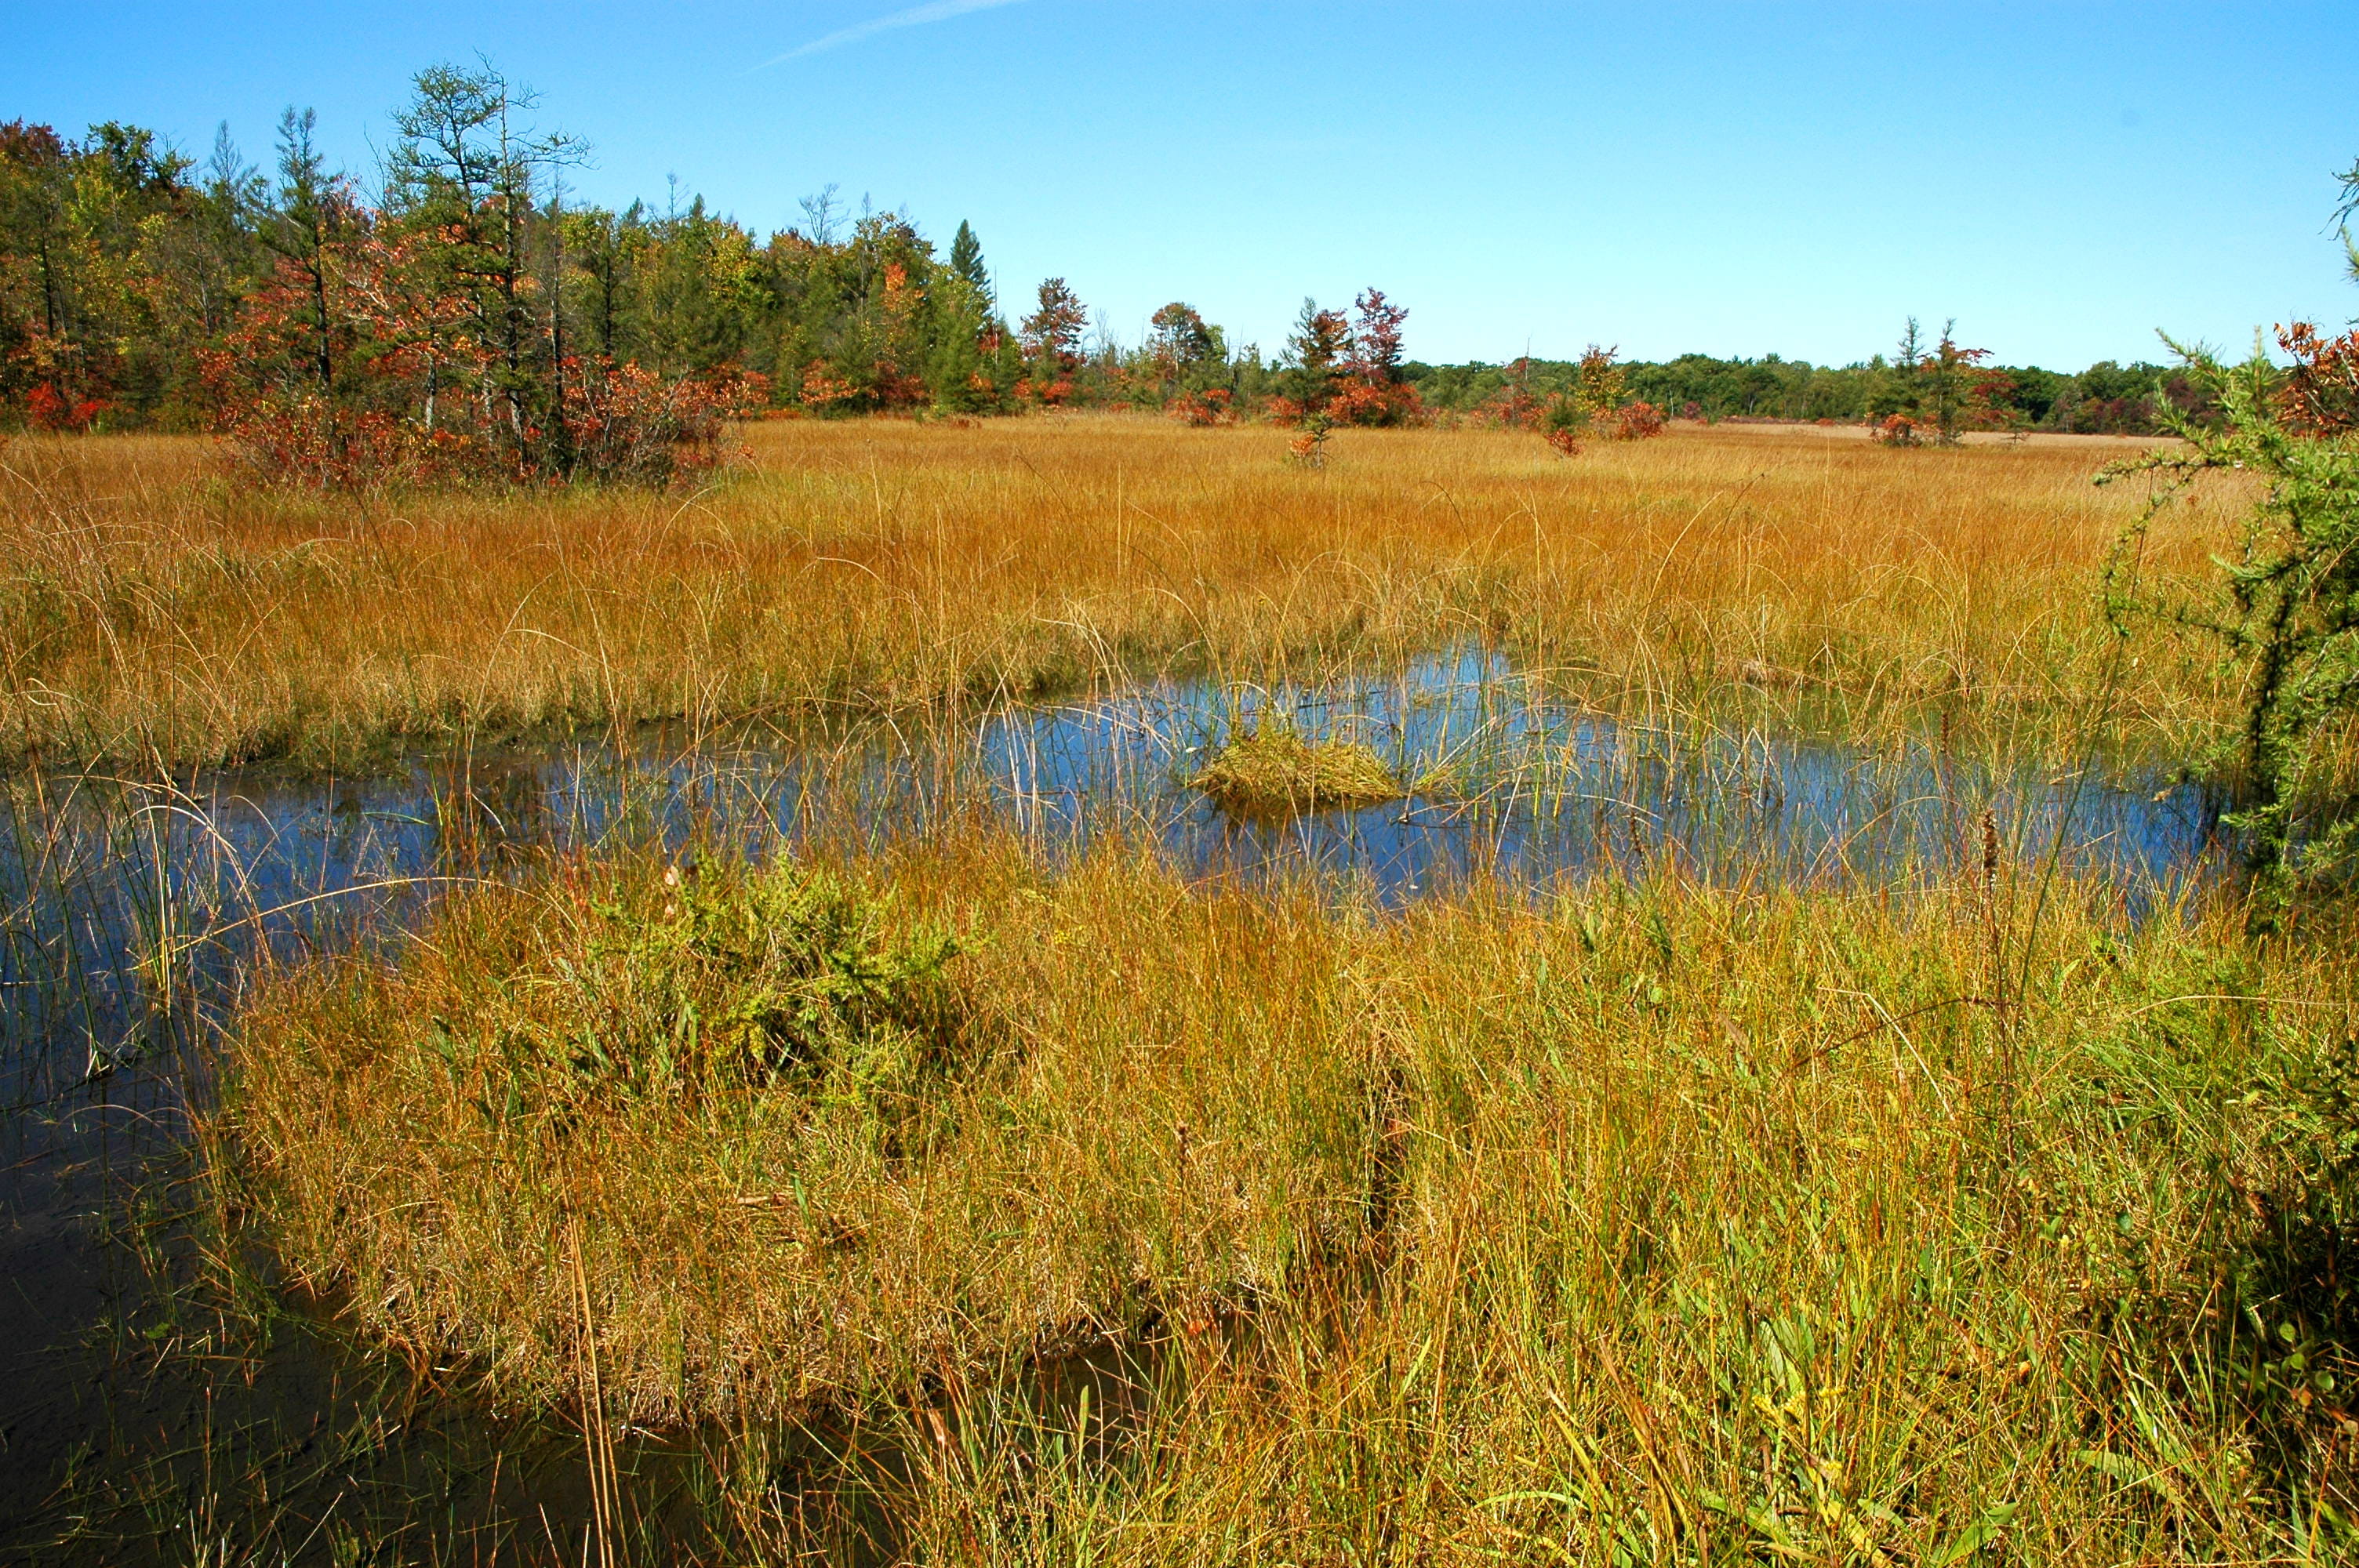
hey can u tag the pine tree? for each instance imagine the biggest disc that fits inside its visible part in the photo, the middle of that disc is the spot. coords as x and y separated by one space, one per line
954 371
966 263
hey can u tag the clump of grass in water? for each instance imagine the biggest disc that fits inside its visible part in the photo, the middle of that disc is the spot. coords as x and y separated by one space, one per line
1274 768
808 1150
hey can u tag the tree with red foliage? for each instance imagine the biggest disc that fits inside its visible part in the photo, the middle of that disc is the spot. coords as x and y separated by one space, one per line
1929 395
1051 338
427 341
1376 350
1515 406
1374 391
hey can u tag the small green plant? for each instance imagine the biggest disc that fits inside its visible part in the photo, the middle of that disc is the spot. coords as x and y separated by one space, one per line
1309 446
802 972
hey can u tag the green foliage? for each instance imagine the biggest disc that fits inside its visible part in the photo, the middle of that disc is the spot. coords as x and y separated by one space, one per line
774 975
966 263
121 272
2285 611
1564 419
2105 399
1314 356
118 259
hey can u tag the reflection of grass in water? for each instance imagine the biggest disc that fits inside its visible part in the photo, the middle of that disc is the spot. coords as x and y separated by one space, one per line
1274 768
1651 1222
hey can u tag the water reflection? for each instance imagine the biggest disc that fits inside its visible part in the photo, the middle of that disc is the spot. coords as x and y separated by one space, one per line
112 888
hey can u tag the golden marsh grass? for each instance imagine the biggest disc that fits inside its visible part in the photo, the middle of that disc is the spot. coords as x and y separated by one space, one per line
150 606
1964 1219
1640 1224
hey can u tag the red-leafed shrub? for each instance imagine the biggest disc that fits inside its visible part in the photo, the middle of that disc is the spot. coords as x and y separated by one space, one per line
1212 406
46 408
625 423
823 391
2319 395
1514 408
1375 403
1638 422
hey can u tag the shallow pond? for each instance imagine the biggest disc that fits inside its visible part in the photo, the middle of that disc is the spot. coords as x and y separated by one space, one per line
133 907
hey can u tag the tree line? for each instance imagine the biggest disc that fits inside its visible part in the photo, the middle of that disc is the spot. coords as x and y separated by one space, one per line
458 311
455 311
2107 398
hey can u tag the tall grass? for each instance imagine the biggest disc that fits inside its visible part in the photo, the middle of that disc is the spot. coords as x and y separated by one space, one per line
151 608
1648 1223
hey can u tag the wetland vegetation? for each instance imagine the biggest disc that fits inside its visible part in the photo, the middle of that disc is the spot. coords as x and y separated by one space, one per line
1350 975
1790 1079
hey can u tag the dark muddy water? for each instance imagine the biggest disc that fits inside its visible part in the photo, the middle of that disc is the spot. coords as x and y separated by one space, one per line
128 1430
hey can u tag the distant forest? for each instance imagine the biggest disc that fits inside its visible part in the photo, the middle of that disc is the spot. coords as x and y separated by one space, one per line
2105 399
456 307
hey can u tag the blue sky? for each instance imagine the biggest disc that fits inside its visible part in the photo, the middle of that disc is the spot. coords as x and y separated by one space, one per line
2063 177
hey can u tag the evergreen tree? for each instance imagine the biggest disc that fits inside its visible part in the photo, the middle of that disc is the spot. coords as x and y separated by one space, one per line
1315 355
954 370
966 265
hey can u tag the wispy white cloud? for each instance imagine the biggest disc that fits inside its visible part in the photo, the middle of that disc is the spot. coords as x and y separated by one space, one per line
915 16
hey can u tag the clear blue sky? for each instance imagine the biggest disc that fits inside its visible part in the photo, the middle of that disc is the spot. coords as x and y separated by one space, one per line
1738 179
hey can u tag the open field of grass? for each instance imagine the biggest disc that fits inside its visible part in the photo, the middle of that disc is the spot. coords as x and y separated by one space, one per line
971 1193
151 607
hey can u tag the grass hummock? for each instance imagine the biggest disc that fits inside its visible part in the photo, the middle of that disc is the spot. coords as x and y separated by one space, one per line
1273 769
1612 1219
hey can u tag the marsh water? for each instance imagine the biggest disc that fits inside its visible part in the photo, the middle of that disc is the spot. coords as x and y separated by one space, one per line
129 1429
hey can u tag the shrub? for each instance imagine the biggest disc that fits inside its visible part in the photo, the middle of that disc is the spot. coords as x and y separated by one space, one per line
1897 430
1564 420
627 422
46 408
1212 406
1374 403
1599 384
2288 609
1637 421
1309 448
